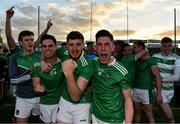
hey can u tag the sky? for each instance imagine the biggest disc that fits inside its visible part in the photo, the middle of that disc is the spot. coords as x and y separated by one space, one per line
147 19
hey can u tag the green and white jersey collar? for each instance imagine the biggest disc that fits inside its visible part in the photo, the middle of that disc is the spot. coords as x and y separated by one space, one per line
166 55
83 59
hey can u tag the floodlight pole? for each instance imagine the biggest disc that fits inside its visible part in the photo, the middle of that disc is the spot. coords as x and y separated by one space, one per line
38 20
127 23
175 29
38 48
91 23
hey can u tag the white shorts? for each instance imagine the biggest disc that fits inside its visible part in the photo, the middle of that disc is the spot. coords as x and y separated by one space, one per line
97 121
167 95
24 107
142 95
73 113
48 113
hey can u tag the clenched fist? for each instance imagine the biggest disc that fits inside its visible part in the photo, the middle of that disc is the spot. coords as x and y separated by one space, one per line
69 66
10 12
39 88
45 67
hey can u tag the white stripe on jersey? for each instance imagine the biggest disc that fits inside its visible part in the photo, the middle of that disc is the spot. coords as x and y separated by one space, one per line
23 67
165 66
37 64
21 79
96 58
166 70
119 67
163 74
66 52
83 61
58 60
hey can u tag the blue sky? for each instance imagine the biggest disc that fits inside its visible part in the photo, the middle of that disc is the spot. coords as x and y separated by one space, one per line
148 19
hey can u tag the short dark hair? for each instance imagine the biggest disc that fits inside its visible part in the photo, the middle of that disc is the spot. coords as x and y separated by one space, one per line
102 33
166 40
89 43
125 45
140 43
119 42
48 36
75 35
24 33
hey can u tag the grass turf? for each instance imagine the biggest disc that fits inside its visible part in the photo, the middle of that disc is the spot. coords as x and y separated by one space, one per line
7 111
6 114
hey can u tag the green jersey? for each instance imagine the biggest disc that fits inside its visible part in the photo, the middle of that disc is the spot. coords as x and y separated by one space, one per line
143 75
166 67
130 62
20 67
84 69
62 53
107 84
52 81
16 49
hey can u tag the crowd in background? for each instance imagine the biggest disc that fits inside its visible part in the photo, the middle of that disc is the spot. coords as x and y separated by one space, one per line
119 79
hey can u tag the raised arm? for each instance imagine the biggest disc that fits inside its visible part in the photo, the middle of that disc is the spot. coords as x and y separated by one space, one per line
75 88
9 37
49 24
